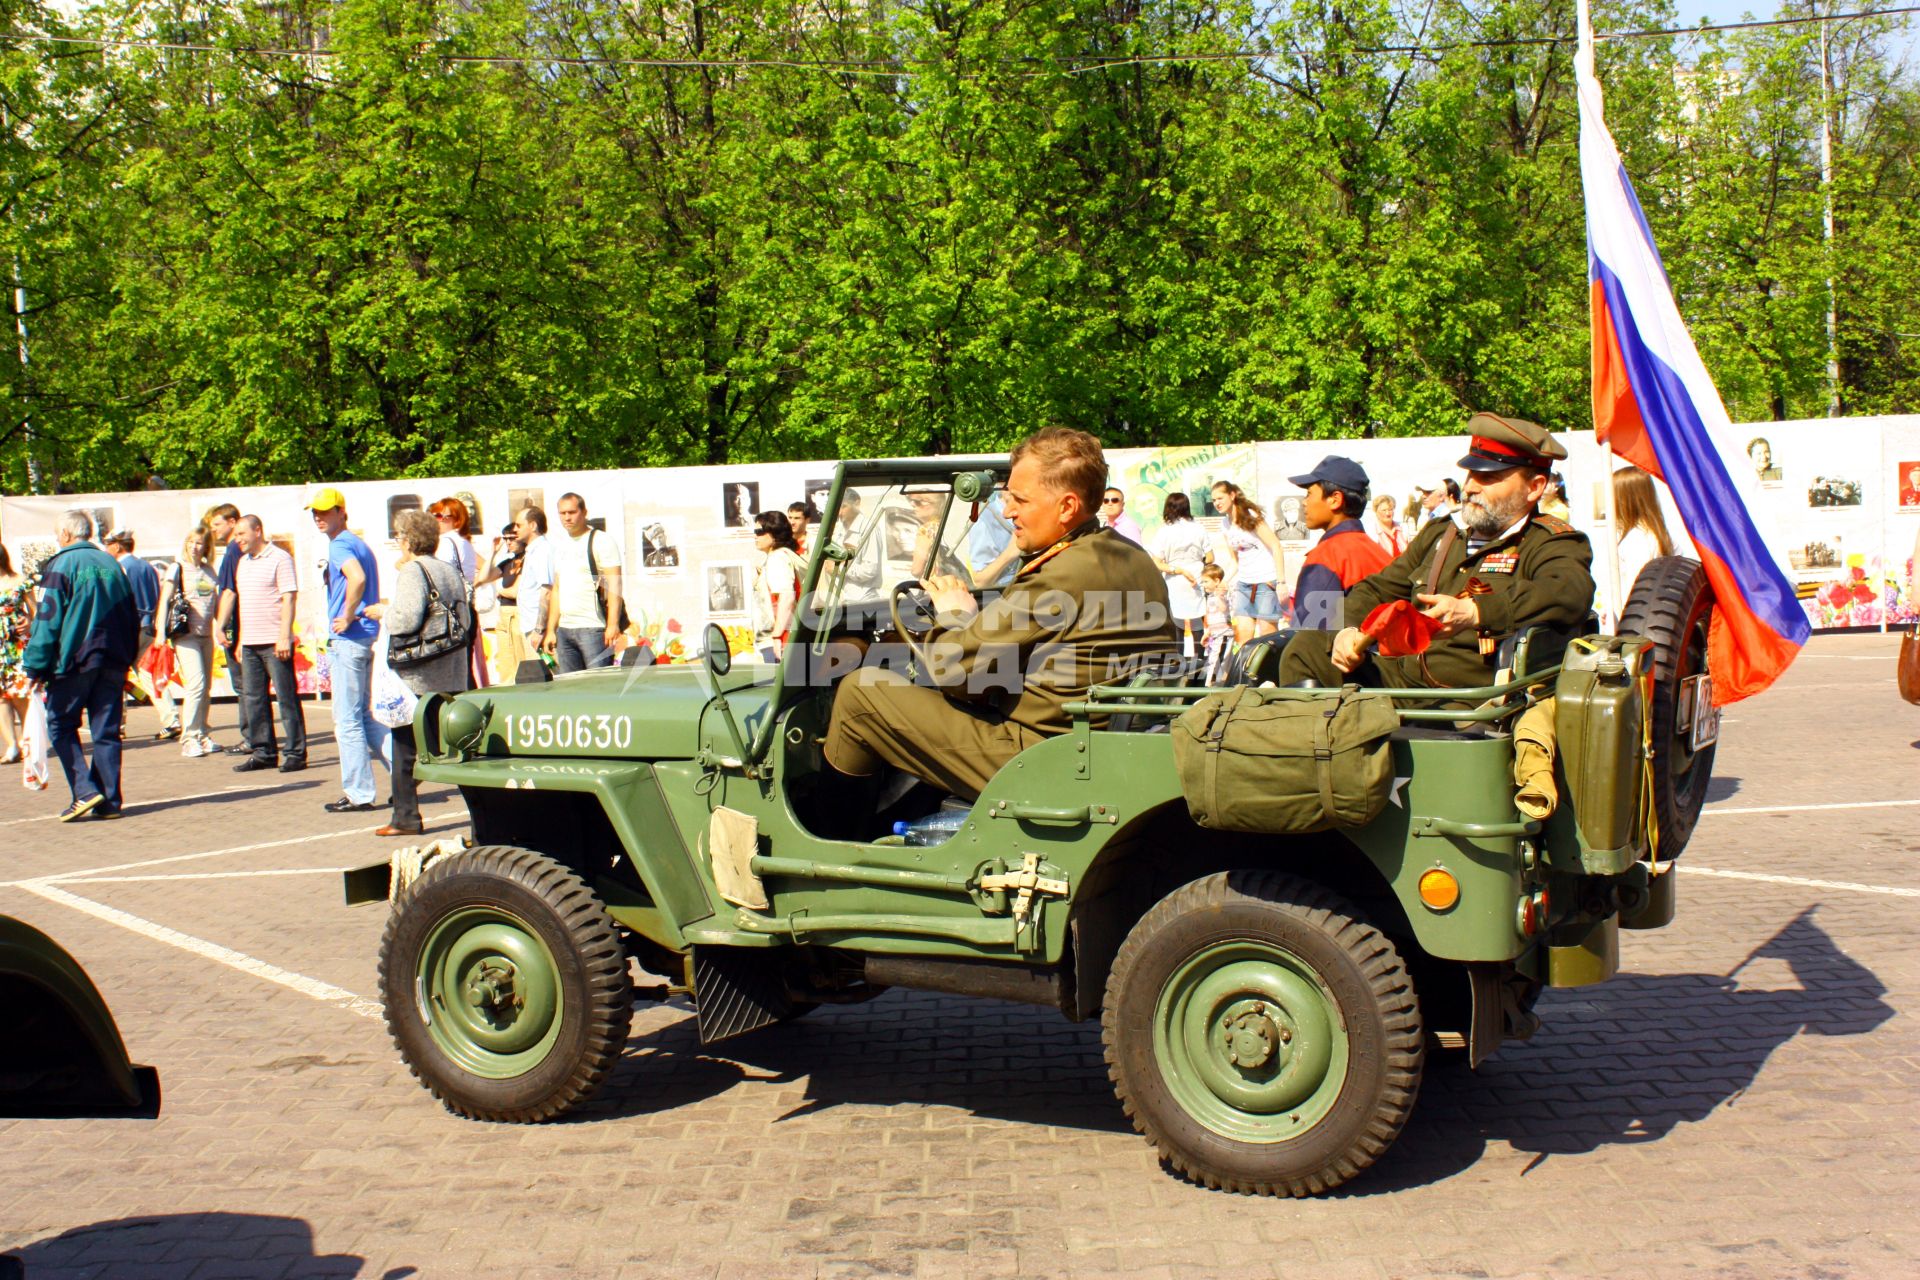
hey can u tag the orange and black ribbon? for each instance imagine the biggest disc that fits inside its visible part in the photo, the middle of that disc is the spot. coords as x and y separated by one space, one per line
1488 641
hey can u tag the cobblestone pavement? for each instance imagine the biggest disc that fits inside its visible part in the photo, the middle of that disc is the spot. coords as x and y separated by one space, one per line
1740 1102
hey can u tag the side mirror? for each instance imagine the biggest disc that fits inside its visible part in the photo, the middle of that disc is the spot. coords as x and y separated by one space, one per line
719 658
719 661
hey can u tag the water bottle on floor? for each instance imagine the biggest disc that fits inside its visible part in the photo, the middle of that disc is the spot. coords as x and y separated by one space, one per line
935 828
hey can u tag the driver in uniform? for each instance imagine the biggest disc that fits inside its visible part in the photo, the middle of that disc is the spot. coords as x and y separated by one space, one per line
1494 566
1086 607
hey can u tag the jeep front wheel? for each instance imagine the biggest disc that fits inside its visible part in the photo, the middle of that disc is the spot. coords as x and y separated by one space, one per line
1261 1036
505 985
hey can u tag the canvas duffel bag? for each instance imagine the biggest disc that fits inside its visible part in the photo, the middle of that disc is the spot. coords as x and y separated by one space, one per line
1249 762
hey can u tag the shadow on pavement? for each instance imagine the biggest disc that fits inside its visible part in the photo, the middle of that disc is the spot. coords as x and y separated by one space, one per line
1631 1059
991 1058
228 1242
224 797
1628 1060
1722 787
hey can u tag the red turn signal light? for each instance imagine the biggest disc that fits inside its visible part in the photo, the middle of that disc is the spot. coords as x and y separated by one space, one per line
1533 913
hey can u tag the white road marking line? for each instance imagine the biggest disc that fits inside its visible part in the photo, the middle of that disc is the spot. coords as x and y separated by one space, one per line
1803 882
61 877
1830 684
138 805
324 992
1846 657
209 875
1812 808
82 875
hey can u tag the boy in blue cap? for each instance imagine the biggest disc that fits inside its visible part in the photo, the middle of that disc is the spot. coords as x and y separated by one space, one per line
1336 495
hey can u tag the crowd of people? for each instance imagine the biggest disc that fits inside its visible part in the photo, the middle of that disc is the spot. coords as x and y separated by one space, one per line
1248 581
76 634
72 632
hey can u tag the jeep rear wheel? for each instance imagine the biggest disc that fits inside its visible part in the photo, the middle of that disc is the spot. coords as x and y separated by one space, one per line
1261 1036
505 985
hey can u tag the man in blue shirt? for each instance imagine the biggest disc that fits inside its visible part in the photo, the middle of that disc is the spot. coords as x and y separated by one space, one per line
353 582
144 579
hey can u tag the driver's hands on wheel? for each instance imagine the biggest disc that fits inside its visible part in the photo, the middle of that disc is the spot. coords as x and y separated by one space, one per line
950 596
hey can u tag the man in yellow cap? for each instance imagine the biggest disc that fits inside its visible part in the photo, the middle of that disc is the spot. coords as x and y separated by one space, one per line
353 583
1495 566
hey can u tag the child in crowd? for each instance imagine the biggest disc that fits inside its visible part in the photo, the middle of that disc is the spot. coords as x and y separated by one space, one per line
1219 632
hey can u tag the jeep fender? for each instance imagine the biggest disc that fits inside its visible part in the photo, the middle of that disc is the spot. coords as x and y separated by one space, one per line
627 794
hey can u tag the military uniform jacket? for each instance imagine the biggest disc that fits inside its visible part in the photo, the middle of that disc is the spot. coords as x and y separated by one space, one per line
1541 575
1092 610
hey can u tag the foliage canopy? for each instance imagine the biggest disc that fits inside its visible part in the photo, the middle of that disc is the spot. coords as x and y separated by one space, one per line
624 247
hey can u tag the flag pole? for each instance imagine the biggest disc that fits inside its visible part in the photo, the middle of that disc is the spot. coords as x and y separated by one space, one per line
1583 60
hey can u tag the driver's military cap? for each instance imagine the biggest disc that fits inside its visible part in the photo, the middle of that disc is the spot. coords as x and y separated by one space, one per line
1498 443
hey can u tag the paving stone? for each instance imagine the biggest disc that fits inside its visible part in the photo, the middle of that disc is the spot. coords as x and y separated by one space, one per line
1741 1101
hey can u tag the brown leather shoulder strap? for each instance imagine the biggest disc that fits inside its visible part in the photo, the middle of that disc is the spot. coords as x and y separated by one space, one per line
1439 565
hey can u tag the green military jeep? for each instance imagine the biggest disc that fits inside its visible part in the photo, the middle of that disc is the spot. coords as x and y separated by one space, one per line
1267 1000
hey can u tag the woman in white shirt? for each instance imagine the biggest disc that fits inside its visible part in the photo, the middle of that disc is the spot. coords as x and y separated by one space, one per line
1641 531
1391 537
778 572
1180 551
456 548
1253 559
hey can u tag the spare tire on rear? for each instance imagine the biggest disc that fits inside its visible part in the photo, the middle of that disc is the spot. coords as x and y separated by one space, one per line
1670 604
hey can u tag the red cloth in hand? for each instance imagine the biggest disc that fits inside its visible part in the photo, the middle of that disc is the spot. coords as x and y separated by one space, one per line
1399 629
160 664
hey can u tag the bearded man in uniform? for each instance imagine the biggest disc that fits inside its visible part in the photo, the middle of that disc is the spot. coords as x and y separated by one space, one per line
1085 607
1497 565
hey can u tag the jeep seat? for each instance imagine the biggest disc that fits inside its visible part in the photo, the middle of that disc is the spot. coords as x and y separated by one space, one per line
1180 672
1257 661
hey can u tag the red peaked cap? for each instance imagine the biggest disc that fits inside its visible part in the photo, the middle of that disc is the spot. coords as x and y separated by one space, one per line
1399 629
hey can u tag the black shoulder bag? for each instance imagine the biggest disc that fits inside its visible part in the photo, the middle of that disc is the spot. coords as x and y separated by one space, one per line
179 621
446 628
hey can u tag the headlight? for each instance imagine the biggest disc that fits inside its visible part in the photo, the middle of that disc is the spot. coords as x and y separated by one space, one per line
462 725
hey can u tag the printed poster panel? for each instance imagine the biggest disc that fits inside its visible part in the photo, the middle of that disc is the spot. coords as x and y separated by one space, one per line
1841 517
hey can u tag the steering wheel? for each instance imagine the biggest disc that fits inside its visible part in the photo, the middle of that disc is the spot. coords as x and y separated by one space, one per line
921 604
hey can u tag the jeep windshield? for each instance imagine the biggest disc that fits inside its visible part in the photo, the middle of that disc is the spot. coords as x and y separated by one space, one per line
884 534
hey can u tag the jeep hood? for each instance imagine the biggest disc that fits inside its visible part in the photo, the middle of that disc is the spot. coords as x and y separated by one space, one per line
637 713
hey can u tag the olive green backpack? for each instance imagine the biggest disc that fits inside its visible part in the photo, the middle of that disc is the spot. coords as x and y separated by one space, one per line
1252 761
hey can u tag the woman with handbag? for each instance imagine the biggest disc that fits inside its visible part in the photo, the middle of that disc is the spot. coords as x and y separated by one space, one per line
425 590
457 549
189 597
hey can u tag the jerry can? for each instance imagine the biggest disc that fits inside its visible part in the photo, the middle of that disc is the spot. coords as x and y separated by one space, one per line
1599 724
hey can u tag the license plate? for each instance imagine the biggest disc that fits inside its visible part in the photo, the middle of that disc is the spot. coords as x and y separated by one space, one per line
1699 718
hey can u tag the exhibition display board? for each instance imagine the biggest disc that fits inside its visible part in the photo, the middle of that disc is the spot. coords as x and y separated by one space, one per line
1838 500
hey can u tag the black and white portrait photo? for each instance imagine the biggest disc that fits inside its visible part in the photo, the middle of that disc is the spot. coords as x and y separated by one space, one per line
739 500
726 586
659 545
1290 518
1760 454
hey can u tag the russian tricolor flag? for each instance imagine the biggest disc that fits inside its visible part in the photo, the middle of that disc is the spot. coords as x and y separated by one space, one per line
1654 403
